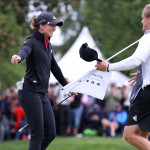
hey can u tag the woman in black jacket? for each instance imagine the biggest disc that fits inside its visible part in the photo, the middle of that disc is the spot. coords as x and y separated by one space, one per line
37 51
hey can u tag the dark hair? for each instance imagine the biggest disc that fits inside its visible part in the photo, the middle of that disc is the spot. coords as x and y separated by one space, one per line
146 11
33 22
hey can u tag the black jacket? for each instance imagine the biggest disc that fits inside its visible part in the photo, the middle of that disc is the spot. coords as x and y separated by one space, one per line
39 63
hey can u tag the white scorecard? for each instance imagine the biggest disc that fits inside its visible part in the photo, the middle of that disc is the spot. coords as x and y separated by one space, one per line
93 83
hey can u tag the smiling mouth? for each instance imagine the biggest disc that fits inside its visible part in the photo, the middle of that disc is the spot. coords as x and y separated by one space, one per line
51 32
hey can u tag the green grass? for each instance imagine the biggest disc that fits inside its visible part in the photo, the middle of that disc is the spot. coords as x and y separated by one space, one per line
72 143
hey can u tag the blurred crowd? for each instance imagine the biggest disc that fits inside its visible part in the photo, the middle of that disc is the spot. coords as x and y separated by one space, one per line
78 116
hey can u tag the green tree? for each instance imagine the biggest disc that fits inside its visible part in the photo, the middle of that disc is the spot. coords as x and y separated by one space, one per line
12 31
14 28
114 25
70 11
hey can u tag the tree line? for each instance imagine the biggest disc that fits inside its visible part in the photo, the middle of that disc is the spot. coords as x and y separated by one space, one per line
114 24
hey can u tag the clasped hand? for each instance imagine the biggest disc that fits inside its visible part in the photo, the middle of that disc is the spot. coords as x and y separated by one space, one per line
102 66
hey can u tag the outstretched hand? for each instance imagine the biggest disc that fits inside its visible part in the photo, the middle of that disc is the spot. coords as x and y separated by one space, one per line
15 59
133 79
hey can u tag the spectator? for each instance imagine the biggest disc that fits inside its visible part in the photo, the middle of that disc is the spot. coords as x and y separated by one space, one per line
124 90
93 126
116 121
3 126
63 110
51 89
19 122
4 114
113 96
126 103
75 115
13 96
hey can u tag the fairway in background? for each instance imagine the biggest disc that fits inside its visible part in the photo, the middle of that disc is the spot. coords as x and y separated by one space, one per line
72 143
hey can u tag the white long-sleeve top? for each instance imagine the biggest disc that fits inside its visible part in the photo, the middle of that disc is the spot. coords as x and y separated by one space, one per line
140 56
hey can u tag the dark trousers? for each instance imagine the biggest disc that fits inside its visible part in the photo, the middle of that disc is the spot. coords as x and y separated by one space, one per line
40 118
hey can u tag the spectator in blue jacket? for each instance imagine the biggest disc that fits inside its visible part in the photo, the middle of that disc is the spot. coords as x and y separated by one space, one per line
116 120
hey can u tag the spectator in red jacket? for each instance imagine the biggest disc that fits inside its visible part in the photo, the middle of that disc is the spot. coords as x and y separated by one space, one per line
19 115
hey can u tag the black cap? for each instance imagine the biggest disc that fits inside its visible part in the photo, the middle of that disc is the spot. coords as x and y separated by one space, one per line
88 54
48 18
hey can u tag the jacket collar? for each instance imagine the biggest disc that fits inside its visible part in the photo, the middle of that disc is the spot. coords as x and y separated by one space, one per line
146 32
39 35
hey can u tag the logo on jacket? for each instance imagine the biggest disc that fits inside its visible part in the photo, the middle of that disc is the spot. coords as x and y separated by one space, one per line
34 81
135 118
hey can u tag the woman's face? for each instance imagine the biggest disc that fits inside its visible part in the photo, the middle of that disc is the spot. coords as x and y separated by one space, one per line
146 22
47 30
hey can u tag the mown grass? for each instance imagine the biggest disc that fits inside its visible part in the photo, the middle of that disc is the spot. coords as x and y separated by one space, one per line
72 143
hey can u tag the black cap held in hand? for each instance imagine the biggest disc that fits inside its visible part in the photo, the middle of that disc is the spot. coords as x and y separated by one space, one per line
88 54
48 18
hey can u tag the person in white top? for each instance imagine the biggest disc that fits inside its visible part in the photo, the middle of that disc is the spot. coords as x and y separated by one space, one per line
138 123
